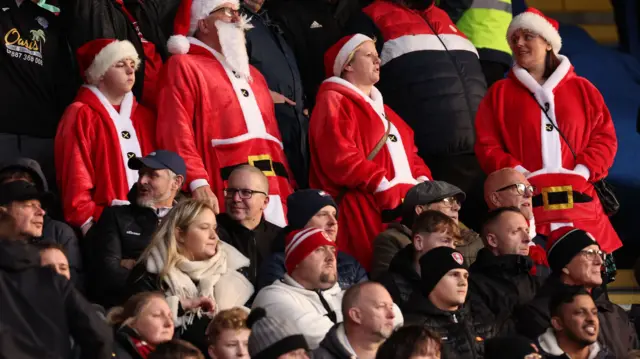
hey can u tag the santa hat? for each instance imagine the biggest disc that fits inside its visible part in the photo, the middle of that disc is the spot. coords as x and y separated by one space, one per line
186 21
565 243
336 57
299 244
96 56
534 20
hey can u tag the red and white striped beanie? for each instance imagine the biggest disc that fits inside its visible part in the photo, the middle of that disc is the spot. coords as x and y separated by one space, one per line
299 244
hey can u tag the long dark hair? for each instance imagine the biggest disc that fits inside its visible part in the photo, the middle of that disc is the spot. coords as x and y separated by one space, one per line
551 62
408 341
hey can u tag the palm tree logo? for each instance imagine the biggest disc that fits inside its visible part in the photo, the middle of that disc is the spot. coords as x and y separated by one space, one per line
38 36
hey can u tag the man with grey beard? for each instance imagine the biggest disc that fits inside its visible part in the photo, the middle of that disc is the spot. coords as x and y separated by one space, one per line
215 110
123 232
368 314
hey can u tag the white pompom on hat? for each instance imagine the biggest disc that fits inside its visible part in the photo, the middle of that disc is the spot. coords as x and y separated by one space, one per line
186 21
535 21
336 57
97 56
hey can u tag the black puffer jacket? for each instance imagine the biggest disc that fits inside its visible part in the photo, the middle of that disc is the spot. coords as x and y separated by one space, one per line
502 282
436 91
122 232
401 280
617 333
332 346
462 333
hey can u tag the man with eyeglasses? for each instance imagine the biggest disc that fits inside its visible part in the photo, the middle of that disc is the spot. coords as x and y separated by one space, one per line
215 110
429 195
243 224
576 259
509 188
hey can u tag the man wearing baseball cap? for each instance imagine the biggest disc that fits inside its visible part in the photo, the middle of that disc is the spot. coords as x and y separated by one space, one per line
312 208
430 195
23 202
576 259
440 305
123 232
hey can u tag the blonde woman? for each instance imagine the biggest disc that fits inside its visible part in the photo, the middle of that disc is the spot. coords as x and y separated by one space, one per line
142 323
197 272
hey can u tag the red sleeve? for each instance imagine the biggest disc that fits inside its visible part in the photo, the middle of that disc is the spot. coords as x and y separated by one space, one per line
176 114
332 130
489 147
602 144
145 125
74 170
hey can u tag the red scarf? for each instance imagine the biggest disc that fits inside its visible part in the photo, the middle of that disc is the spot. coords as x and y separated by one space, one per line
143 348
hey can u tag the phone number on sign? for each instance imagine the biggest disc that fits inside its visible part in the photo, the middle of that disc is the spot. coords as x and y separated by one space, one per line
25 57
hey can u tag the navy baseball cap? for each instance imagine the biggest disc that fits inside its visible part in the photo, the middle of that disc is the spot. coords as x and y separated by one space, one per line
160 160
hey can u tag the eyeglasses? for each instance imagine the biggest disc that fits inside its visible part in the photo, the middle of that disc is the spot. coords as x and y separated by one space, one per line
229 11
521 188
450 201
243 192
591 254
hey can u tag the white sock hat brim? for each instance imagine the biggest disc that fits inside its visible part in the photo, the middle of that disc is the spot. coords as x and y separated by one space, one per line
346 50
539 25
109 55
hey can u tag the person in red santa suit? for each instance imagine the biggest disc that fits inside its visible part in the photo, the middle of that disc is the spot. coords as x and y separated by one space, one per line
215 110
534 119
100 131
349 121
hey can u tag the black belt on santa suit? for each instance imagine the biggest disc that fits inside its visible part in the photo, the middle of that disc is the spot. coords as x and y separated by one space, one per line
560 197
264 163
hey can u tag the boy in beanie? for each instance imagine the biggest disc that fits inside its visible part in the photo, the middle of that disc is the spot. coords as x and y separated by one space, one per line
100 132
576 259
274 339
440 305
307 209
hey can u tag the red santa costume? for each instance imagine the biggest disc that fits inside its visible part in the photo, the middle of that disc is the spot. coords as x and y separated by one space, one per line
345 127
513 131
217 114
95 139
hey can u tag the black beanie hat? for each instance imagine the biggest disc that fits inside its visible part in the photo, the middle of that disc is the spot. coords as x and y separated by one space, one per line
435 264
516 347
304 204
565 243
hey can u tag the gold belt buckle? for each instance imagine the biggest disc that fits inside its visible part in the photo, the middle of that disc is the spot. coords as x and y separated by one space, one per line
252 159
555 189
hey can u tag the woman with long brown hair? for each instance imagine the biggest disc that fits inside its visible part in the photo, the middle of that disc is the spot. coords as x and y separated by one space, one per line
553 126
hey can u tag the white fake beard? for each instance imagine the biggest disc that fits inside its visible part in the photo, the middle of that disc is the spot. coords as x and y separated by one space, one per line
233 45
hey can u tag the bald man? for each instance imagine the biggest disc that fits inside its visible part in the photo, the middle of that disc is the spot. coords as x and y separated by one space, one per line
243 224
368 313
509 188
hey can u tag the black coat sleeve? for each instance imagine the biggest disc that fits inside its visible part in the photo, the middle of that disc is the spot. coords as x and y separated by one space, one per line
141 281
90 332
455 8
107 253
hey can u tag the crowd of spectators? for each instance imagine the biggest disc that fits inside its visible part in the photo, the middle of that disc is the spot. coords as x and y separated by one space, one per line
301 179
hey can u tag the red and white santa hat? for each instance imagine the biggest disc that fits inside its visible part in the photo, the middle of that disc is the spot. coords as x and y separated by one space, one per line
186 21
96 56
336 57
534 20
299 244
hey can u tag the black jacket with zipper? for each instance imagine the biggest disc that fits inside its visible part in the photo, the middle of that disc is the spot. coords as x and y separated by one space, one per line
462 333
254 244
40 310
123 232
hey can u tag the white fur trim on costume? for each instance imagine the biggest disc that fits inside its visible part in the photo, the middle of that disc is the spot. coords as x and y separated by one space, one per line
248 104
346 50
521 169
583 171
274 213
200 9
399 159
383 185
197 183
539 25
551 144
119 202
423 179
425 42
178 45
109 55
122 123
